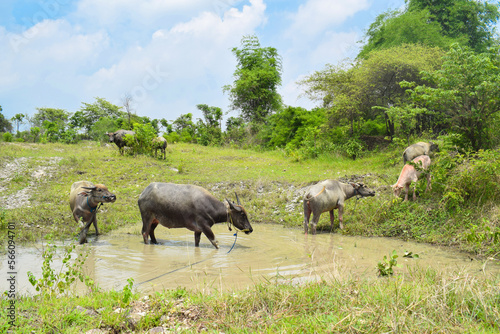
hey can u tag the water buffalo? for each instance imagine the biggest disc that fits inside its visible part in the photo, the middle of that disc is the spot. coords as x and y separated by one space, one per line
410 174
183 205
159 143
118 138
420 148
84 197
329 195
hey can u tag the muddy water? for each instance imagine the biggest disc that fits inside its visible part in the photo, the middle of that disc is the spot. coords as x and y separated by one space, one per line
270 253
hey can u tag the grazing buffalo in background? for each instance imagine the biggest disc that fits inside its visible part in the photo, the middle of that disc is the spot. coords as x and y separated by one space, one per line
410 174
84 197
118 138
420 148
159 143
183 205
330 195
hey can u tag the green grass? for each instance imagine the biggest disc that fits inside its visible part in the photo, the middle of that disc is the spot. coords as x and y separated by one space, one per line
269 186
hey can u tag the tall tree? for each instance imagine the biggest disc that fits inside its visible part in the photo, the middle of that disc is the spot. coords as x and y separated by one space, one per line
18 119
257 78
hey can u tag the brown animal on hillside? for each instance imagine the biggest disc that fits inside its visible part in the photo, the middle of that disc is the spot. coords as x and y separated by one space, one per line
159 143
410 174
330 195
184 205
84 198
420 148
118 138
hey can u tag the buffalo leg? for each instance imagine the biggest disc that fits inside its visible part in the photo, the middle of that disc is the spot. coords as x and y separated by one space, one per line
332 217
197 237
154 223
314 222
307 215
95 225
341 216
210 235
83 232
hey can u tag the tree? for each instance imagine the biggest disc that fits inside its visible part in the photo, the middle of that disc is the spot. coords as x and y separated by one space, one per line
184 126
127 104
59 116
395 28
5 125
466 93
468 20
18 119
434 23
367 87
210 131
89 113
257 78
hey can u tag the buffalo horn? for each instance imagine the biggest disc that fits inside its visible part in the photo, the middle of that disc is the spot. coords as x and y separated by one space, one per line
237 198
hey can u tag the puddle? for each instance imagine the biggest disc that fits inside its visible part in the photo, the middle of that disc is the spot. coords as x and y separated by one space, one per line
270 253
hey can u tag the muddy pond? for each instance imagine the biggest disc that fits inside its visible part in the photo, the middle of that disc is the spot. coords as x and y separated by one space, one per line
270 253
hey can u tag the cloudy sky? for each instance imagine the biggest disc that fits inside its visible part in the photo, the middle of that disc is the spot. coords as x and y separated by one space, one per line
168 55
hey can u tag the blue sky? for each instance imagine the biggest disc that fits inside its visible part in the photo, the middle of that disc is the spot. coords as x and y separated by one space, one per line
168 55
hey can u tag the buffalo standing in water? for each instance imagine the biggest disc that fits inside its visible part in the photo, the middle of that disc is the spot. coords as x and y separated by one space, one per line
330 195
183 205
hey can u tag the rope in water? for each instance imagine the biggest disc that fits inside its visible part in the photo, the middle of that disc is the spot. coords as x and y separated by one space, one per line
189 265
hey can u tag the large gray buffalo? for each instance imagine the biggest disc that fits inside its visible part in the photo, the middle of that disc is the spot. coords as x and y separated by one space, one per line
118 138
183 205
329 195
418 149
84 197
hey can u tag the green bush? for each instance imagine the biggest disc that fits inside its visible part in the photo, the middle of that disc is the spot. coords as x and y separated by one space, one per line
7 137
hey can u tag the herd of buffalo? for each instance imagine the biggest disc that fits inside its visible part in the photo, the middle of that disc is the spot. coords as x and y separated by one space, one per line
193 207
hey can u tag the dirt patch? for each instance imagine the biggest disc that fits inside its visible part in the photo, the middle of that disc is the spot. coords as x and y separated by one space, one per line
20 168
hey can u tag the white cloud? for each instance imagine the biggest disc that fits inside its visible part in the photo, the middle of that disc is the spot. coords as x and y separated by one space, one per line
315 16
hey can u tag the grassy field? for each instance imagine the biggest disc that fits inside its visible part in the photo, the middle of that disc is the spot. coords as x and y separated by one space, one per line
35 181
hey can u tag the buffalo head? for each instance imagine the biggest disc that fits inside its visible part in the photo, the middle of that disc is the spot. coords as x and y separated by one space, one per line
238 216
100 193
362 190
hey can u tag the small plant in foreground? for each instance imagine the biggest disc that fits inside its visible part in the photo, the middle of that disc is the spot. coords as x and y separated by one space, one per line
385 267
53 282
127 291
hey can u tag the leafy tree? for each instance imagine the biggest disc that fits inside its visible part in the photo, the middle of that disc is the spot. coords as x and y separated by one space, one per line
5 125
434 23
184 126
257 78
210 131
395 28
466 93
469 20
351 91
18 119
290 126
59 116
91 113
235 130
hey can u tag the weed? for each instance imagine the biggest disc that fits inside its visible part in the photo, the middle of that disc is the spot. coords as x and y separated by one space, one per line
53 282
385 267
127 292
